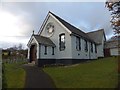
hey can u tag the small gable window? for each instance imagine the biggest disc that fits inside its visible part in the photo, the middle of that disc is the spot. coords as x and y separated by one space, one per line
78 43
91 47
45 50
62 42
86 46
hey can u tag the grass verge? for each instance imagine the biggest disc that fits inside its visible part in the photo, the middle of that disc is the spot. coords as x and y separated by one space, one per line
14 75
101 73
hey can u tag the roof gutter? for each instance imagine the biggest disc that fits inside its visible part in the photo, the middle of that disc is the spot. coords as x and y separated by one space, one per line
83 37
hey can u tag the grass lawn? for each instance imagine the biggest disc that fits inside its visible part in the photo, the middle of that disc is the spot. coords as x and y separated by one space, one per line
14 75
101 73
0 70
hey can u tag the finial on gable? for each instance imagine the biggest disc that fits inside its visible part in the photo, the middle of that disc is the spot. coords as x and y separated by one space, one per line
49 12
33 32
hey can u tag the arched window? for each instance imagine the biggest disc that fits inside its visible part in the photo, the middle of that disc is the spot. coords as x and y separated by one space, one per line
62 41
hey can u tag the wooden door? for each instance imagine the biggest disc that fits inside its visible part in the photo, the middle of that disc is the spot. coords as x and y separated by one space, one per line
33 53
107 52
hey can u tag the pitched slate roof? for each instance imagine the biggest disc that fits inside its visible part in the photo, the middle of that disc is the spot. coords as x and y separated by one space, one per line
96 35
73 29
44 40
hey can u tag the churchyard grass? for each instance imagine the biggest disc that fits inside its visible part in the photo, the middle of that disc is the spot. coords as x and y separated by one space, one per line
101 73
14 75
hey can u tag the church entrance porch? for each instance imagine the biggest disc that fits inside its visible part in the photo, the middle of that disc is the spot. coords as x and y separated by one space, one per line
33 56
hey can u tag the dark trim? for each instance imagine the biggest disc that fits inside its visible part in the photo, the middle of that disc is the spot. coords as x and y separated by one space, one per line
43 24
95 48
60 42
86 45
46 45
42 62
78 44
91 44
39 49
74 34
45 50
53 51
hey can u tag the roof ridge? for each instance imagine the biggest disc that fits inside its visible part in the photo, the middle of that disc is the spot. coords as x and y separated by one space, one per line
95 31
65 21
77 30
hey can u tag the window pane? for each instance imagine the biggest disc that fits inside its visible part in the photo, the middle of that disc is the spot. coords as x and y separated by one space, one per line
91 47
78 43
86 46
45 50
95 48
62 42
63 38
52 50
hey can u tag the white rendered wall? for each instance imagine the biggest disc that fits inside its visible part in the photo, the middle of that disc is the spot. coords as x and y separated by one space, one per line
114 52
49 52
28 53
55 38
82 54
100 49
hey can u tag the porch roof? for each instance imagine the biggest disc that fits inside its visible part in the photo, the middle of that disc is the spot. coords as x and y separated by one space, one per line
44 40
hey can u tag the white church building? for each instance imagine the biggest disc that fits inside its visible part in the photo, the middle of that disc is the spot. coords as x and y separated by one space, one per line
60 42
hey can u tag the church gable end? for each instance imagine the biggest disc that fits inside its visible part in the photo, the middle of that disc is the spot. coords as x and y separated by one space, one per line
51 22
58 39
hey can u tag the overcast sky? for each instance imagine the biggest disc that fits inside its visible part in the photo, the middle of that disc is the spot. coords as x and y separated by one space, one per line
19 19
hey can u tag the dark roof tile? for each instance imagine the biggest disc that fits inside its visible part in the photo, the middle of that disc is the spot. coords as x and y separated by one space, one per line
44 40
72 28
96 35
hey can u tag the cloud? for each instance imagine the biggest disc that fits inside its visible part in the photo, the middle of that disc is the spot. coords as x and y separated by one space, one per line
14 29
54 1
28 16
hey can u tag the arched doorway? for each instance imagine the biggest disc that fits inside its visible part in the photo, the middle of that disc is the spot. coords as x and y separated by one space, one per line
33 51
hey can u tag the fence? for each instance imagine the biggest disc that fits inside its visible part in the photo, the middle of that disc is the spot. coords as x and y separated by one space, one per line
14 60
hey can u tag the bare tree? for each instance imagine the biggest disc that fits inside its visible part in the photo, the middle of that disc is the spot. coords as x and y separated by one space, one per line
14 47
114 7
20 46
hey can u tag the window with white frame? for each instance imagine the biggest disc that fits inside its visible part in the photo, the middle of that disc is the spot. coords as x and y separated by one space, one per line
95 48
86 45
91 47
62 42
78 43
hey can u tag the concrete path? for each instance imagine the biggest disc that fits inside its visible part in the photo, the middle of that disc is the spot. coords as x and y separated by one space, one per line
37 78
